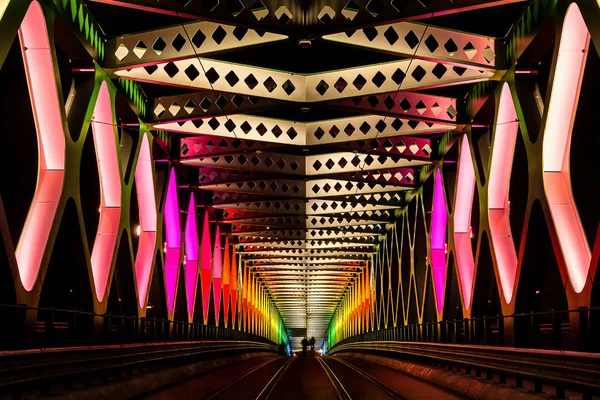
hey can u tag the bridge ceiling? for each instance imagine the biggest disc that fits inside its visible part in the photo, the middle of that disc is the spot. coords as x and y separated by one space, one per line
303 126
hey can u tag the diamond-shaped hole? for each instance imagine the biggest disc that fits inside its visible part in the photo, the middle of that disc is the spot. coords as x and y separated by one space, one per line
270 84
431 43
159 46
198 38
259 10
140 49
283 15
191 72
239 32
322 87
488 54
418 73
288 87
391 35
411 39
219 34
251 81
350 10
359 82
379 79
326 15
205 104
470 50
232 78
178 42
451 47
121 52
370 33
439 70
212 75
171 69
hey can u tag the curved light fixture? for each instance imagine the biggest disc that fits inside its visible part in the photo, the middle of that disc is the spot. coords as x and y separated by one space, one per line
439 219
191 256
503 149
41 81
144 184
568 75
107 157
465 187
173 239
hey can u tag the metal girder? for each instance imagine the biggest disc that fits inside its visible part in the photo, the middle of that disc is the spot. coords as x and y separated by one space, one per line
301 207
202 73
181 41
294 18
399 104
206 104
404 146
316 188
305 244
279 131
312 165
424 41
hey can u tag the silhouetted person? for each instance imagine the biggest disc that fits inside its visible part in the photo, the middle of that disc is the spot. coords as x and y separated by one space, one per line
304 346
312 343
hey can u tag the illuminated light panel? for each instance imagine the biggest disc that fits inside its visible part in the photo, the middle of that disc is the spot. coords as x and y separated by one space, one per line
234 284
227 264
4 5
41 81
465 187
217 273
205 266
191 255
564 97
438 240
173 238
107 156
144 183
503 148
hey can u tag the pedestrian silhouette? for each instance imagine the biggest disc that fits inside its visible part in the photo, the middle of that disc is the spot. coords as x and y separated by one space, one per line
312 343
304 346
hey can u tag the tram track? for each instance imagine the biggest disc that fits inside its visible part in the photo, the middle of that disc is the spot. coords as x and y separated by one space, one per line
345 393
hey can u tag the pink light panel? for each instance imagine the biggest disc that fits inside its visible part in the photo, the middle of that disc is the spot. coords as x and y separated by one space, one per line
205 266
564 97
173 233
41 80
144 183
439 220
503 148
191 255
226 280
107 157
234 283
465 187
217 273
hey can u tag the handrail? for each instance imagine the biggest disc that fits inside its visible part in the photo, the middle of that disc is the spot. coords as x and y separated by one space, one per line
41 369
564 369
543 330
55 327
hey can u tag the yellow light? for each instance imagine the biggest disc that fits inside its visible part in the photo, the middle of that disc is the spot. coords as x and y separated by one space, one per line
138 230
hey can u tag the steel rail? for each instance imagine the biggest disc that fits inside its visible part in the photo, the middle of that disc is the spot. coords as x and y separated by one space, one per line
29 369
385 388
564 369
233 381
268 389
339 388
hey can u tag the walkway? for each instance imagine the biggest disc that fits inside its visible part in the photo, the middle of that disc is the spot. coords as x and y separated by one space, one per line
296 378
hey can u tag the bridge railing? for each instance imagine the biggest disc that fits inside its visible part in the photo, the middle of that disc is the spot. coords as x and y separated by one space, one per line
550 330
25 327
